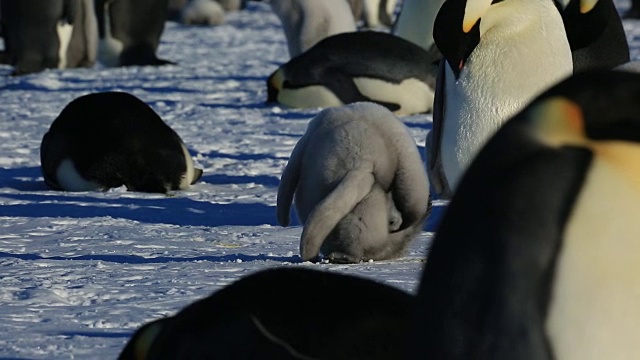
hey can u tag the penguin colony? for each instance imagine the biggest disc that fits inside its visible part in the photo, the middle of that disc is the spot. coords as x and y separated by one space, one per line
524 142
523 266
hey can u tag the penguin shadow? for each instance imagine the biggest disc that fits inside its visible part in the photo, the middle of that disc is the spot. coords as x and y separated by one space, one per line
95 334
22 179
139 260
242 157
77 85
264 180
157 209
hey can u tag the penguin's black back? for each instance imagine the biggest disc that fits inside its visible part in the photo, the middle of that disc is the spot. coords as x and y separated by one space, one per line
369 54
319 314
114 138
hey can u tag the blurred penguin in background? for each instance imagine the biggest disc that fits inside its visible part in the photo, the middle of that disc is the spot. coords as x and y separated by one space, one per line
55 34
306 22
196 12
202 12
634 11
415 23
595 34
379 13
130 31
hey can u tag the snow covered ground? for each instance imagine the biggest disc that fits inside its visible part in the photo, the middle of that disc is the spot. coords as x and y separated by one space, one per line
79 272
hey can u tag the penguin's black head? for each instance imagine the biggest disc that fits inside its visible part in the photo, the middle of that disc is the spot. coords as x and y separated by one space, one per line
605 103
584 20
456 30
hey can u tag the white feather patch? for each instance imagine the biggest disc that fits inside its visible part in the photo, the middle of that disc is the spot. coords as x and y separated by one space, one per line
187 178
70 180
109 48
64 31
595 309
308 97
413 95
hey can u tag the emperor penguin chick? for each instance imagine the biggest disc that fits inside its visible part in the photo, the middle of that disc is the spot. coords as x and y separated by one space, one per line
350 164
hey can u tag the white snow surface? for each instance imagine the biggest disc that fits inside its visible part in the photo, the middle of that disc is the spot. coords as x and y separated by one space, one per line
79 272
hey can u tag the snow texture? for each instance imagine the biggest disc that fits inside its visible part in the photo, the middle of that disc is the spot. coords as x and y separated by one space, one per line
79 272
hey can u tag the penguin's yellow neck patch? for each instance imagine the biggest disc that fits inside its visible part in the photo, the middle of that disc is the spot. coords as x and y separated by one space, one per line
145 340
560 122
587 5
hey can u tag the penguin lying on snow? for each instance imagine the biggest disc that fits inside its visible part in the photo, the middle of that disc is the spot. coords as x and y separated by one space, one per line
105 140
202 12
358 66
595 34
259 317
536 258
305 22
55 34
496 60
130 31
545 265
354 166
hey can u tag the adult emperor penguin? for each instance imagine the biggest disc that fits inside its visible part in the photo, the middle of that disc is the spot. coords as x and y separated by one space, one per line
341 171
306 22
357 66
415 23
202 12
595 34
130 31
537 254
48 35
498 56
283 313
105 140
379 12
634 11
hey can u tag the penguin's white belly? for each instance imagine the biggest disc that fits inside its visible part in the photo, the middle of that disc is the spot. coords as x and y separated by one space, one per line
109 48
308 97
594 311
499 79
64 31
413 95
187 178
70 180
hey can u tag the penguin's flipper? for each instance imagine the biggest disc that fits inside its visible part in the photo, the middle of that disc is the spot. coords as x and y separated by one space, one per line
289 182
70 8
434 139
343 86
355 185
